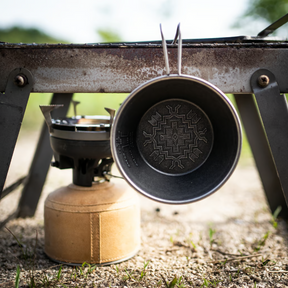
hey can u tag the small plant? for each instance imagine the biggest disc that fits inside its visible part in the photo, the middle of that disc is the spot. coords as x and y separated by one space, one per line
211 234
91 268
223 263
264 263
59 273
143 272
189 241
248 270
240 252
262 241
207 283
129 275
45 282
21 245
159 283
275 216
179 282
29 256
172 283
81 269
17 279
74 274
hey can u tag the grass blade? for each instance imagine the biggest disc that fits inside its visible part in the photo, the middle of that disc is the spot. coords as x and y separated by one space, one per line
59 273
17 279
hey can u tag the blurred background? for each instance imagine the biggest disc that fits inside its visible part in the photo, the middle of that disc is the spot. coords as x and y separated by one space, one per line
91 21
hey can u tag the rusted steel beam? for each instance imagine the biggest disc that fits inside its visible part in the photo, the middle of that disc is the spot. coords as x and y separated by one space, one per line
92 68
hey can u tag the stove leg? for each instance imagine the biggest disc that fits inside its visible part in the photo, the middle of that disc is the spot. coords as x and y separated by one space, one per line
261 152
41 162
12 108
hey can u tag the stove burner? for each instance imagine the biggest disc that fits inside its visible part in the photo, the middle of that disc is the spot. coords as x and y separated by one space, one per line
81 143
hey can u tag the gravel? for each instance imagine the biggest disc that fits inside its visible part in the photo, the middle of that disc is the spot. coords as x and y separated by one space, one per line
225 240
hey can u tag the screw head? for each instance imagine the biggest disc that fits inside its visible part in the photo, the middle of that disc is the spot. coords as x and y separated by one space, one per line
263 80
20 80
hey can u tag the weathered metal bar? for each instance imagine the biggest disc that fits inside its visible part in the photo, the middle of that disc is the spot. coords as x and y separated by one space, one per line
97 68
13 187
261 153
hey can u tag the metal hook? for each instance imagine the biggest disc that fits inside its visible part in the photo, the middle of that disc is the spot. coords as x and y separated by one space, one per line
176 35
164 44
179 60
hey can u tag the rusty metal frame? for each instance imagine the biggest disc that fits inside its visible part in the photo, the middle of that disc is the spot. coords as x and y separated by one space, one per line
122 67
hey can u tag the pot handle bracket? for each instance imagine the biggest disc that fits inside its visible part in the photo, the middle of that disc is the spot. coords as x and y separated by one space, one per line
165 51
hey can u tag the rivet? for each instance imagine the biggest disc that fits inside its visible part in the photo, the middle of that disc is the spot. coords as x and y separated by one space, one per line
20 80
263 80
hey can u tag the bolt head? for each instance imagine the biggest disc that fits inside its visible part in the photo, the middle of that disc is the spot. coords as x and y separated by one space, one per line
263 81
20 80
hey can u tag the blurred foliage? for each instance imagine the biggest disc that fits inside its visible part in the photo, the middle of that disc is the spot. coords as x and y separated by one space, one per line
246 150
108 35
90 104
268 10
18 34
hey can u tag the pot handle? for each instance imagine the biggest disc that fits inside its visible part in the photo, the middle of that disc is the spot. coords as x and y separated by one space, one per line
165 52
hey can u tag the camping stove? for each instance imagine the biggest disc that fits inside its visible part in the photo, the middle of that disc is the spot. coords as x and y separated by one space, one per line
91 220
81 143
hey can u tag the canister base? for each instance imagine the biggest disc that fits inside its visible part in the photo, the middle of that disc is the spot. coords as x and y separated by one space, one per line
96 264
96 225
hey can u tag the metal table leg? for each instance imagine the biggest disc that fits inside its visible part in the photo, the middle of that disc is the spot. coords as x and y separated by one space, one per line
261 152
12 108
41 162
274 113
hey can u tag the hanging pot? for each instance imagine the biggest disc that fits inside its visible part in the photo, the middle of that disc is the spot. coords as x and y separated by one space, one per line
176 138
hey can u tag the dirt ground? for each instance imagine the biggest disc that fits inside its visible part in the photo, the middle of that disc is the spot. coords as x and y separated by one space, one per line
225 240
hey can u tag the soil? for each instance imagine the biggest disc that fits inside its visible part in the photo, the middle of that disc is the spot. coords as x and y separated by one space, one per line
228 239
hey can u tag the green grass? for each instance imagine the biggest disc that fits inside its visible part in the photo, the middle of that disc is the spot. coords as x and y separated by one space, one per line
275 214
17 279
211 238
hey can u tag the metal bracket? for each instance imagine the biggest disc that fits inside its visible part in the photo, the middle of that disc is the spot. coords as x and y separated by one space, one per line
12 108
274 113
